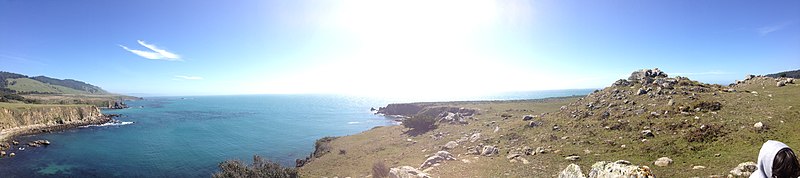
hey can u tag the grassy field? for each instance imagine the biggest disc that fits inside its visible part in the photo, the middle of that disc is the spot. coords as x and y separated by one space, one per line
30 85
717 139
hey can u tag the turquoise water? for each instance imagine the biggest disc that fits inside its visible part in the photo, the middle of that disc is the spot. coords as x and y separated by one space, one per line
189 136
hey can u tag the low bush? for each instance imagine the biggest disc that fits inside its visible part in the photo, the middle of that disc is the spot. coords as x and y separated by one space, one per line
260 168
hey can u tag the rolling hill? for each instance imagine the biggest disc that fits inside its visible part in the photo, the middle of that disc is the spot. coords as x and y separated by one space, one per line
42 84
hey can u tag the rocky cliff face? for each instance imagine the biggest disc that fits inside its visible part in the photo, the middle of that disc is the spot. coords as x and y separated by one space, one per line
13 117
405 109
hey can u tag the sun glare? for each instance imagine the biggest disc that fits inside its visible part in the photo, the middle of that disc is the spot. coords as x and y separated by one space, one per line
409 48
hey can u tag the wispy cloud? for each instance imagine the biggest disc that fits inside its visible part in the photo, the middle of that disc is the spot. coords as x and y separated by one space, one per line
700 73
763 31
183 77
155 53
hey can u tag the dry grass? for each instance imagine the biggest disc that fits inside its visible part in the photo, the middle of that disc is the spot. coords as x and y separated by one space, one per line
717 139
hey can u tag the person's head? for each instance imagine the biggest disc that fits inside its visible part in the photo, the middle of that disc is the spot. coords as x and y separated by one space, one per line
785 164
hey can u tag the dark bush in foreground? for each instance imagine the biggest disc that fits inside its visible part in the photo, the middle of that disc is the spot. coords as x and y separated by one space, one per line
260 168
420 122
379 170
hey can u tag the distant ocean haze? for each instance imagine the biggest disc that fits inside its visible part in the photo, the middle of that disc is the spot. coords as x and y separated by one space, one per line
190 136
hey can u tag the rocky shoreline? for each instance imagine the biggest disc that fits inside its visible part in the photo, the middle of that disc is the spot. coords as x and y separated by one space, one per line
9 145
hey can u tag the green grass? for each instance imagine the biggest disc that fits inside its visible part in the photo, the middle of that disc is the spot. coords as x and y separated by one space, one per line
30 85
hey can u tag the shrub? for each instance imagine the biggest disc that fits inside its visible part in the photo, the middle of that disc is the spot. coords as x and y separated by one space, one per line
420 122
379 170
260 168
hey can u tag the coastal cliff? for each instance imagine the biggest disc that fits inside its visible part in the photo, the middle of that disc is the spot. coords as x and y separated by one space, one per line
18 119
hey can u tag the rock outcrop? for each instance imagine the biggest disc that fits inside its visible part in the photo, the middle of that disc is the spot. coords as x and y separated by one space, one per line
603 169
572 171
743 169
116 105
620 168
407 172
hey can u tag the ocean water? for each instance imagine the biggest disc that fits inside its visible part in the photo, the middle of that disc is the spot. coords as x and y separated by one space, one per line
190 136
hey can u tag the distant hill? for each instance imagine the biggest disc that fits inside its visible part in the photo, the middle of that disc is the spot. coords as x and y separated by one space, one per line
46 85
790 74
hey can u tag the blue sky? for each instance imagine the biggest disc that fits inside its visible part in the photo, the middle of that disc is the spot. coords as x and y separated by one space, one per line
381 47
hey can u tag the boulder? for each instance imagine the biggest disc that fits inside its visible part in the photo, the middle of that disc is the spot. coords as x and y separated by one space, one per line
648 133
573 158
789 80
758 126
781 83
528 117
663 161
748 77
743 169
38 143
489 150
572 171
620 168
12 154
475 137
534 123
2 153
698 167
646 76
407 172
622 82
450 145
439 157
641 91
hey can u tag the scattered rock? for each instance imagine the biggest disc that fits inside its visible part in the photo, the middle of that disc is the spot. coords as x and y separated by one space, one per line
619 168
622 82
489 150
641 91
758 125
572 171
573 158
781 83
743 169
513 155
663 161
38 143
528 150
528 117
450 145
534 123
475 137
407 172
698 167
648 133
437 158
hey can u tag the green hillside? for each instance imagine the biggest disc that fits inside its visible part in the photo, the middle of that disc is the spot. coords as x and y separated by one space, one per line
27 85
43 84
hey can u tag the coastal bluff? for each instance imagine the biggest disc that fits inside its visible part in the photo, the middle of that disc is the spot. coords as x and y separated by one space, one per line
17 119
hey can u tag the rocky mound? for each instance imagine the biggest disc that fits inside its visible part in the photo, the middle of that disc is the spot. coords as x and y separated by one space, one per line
646 92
